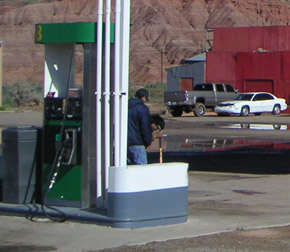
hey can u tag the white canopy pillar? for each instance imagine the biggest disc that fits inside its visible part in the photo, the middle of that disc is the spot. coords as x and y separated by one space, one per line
109 118
124 71
99 101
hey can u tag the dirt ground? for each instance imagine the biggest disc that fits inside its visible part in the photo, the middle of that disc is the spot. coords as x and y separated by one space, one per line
275 239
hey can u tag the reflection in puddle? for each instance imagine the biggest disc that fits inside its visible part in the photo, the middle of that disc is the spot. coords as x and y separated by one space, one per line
254 126
226 155
174 143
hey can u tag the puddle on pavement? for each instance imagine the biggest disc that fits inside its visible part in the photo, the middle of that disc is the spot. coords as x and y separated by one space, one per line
198 194
247 192
225 155
189 144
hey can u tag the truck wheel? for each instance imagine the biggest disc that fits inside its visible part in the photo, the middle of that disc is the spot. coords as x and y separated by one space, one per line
199 109
176 112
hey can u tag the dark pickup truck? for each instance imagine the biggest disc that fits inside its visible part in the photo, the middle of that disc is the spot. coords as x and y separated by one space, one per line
204 96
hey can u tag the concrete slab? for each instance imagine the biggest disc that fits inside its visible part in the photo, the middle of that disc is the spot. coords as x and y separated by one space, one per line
218 202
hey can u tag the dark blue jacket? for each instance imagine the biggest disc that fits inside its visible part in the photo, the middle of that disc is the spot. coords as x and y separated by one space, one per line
139 123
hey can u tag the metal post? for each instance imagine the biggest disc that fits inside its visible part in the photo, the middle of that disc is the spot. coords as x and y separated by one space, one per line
124 70
107 93
98 102
117 86
89 124
161 70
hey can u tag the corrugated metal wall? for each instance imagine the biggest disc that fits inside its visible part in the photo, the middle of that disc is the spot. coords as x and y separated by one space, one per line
252 59
195 71
221 67
249 39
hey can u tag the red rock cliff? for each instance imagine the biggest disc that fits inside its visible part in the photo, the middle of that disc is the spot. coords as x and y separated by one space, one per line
177 28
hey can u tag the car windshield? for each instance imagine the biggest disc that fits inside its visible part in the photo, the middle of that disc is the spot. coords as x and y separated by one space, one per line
244 97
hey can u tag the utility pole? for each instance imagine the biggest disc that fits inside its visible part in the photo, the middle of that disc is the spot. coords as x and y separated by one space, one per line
1 71
161 72
209 39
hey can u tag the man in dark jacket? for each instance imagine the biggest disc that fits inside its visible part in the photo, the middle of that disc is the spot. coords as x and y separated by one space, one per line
139 128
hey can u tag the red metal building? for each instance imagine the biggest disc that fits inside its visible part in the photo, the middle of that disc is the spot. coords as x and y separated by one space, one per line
252 59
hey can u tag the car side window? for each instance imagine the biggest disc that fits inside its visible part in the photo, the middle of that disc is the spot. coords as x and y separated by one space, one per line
268 97
219 88
258 97
229 88
263 97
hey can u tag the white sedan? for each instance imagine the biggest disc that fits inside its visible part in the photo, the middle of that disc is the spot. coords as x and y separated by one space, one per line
256 103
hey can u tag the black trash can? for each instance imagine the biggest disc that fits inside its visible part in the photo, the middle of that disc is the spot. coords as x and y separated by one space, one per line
19 173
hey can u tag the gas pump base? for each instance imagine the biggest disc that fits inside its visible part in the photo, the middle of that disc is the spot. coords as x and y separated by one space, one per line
139 196
88 216
148 195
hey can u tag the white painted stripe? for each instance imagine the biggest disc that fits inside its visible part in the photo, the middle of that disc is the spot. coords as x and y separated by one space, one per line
138 178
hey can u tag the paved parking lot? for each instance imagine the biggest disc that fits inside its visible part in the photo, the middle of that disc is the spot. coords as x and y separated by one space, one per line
218 201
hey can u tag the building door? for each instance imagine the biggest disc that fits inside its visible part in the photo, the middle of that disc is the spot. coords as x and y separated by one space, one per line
186 84
258 86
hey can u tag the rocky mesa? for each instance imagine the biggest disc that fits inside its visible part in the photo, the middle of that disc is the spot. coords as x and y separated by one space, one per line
171 29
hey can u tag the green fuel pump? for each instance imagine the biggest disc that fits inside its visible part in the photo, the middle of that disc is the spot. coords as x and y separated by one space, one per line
62 166
68 170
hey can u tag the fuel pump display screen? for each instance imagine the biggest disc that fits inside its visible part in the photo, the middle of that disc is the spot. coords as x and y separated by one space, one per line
54 108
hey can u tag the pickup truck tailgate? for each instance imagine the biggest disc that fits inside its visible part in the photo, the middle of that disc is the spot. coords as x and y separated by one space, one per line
174 96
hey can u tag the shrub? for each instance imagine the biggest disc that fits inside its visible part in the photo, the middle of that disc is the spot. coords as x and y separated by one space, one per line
22 93
156 91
